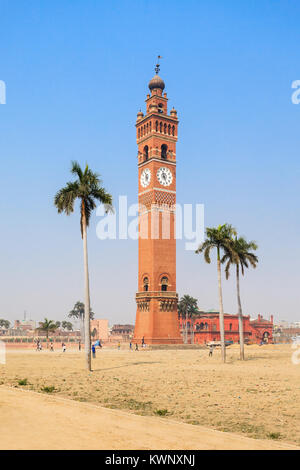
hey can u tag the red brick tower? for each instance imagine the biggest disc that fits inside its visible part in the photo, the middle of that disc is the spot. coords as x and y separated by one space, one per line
156 317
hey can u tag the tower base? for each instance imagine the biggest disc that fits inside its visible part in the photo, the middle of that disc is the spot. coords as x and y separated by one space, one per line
157 319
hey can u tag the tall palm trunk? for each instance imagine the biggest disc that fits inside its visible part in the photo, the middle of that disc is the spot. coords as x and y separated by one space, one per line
186 328
240 314
221 314
87 334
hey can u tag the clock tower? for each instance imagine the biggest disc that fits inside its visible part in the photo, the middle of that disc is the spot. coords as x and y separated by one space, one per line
157 316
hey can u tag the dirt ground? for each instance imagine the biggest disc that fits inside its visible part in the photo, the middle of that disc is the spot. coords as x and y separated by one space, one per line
259 398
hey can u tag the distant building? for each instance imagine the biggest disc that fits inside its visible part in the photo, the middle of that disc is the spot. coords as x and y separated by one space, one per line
205 328
122 332
24 325
100 326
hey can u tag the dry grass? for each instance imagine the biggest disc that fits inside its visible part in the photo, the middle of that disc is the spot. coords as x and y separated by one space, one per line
259 398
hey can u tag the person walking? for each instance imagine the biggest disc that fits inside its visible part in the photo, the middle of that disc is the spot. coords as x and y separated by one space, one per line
64 347
143 342
51 347
211 350
130 345
79 345
119 345
94 351
136 347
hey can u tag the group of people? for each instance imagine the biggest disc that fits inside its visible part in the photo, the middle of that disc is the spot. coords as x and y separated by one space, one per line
136 345
39 346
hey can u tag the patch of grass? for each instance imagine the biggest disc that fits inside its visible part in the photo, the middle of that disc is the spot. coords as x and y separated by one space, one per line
23 382
48 389
274 435
162 412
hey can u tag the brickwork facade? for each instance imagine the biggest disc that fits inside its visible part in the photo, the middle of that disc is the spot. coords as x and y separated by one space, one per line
156 133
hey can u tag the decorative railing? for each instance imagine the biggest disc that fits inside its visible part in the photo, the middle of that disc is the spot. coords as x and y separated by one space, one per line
152 294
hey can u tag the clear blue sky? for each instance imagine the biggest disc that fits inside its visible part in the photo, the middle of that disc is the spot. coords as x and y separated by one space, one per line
76 73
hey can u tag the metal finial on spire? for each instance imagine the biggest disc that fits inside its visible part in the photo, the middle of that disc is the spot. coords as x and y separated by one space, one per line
157 67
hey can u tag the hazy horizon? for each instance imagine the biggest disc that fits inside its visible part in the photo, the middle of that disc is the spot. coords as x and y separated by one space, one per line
76 75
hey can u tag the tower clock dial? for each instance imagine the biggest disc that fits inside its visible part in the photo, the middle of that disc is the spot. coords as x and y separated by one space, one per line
145 177
164 176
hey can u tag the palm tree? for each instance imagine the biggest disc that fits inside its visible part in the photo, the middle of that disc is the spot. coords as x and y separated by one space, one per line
219 238
47 326
186 306
87 188
78 313
241 256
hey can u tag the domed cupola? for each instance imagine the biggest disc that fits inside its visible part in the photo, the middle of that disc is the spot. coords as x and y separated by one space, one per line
156 82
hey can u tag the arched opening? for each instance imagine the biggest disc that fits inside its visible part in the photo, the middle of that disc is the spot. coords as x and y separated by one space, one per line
146 153
160 127
169 129
156 126
160 108
146 284
173 130
164 149
201 326
164 284
139 133
165 128
266 337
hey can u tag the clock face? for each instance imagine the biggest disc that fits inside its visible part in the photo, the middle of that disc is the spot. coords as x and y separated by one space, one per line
164 176
145 177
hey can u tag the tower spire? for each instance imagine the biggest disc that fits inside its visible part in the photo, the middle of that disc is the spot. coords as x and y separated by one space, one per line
157 67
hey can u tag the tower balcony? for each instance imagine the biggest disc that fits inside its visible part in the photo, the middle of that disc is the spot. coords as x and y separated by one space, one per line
156 294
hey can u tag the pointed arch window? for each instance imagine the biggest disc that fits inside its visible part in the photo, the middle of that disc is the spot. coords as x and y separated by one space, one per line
156 126
164 149
146 284
160 127
164 284
165 128
146 153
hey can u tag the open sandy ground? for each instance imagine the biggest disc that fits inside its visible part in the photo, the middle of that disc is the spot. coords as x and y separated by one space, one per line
34 421
259 398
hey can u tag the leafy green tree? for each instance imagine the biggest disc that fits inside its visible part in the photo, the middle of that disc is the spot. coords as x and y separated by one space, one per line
67 325
4 323
57 323
88 190
219 238
187 306
47 326
241 256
